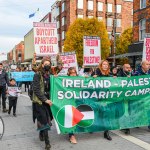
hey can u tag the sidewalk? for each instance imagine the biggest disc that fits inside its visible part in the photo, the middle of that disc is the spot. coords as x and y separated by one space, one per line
20 134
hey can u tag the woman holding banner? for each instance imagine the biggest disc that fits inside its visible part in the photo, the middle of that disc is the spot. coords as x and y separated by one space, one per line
41 100
103 70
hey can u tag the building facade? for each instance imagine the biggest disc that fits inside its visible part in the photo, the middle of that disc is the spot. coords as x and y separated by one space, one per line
141 26
67 11
16 55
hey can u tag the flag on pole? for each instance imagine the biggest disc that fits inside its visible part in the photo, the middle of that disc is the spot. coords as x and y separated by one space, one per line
33 14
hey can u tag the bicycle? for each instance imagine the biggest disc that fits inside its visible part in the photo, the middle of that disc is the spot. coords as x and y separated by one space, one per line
2 129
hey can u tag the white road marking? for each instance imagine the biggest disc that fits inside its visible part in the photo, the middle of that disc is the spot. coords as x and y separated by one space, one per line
132 139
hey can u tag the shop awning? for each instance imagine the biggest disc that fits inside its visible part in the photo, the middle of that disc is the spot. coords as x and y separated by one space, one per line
127 55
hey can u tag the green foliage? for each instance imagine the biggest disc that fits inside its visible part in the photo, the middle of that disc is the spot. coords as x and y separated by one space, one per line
124 41
86 27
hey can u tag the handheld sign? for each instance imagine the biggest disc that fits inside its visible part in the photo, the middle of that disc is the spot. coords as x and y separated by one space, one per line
91 51
146 49
45 38
69 60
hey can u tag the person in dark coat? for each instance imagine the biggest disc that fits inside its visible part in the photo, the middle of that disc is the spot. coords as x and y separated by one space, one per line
114 72
144 69
125 72
41 100
3 81
103 70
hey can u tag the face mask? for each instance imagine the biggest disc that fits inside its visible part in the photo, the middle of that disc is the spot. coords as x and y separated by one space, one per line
46 68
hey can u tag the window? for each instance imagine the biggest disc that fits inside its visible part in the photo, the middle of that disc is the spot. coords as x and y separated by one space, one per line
63 7
118 23
142 4
90 5
90 16
63 35
109 35
100 18
58 24
142 29
100 6
118 8
80 16
131 23
63 21
109 7
58 37
109 22
132 12
80 4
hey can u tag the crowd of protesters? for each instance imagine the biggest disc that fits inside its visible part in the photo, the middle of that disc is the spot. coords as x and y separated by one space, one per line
41 88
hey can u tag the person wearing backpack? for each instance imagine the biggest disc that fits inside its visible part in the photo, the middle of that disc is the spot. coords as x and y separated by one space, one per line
41 100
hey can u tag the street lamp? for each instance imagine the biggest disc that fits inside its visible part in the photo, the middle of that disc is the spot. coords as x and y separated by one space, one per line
114 51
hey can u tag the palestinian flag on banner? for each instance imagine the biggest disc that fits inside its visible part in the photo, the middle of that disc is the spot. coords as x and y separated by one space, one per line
69 116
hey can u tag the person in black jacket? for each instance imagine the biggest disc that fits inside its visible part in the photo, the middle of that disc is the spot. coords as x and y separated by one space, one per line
3 81
125 72
41 100
103 71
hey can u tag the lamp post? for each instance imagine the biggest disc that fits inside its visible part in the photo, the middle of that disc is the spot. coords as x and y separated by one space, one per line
114 51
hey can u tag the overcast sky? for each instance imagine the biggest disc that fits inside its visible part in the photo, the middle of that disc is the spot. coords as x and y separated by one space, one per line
15 22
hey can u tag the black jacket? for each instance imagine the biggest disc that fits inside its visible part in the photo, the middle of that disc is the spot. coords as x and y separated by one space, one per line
4 78
37 89
99 74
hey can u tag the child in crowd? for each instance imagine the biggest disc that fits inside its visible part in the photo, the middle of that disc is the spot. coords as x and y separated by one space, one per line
13 93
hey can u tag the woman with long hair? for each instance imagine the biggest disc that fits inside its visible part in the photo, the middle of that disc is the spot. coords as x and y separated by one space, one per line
103 70
41 100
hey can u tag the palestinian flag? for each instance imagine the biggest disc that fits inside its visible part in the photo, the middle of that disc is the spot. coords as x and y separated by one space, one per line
69 116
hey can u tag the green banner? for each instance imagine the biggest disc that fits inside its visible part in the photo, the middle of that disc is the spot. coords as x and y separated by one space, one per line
98 104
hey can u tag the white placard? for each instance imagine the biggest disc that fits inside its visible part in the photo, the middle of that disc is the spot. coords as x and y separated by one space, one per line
146 49
14 91
69 60
92 50
45 38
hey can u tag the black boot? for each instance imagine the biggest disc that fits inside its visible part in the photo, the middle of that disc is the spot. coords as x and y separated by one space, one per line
107 136
127 131
47 143
41 136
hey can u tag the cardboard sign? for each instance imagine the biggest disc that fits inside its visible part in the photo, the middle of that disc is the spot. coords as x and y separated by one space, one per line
14 91
45 38
69 60
146 49
92 50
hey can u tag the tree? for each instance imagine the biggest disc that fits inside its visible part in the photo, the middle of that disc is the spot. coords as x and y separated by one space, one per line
86 27
124 41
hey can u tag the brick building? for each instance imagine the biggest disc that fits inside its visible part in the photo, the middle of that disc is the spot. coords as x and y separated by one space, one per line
65 12
141 25
16 55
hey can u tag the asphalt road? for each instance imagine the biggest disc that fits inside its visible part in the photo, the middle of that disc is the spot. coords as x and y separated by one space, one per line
20 134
